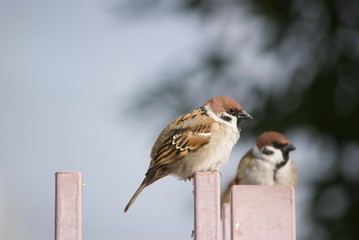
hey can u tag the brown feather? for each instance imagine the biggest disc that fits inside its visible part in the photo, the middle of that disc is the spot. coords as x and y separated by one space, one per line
220 103
268 138
244 163
180 143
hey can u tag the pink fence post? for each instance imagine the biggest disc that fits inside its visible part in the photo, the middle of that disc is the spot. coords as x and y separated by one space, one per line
226 221
68 206
263 212
207 206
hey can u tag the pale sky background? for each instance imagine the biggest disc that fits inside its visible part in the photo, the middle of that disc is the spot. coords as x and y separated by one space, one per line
68 72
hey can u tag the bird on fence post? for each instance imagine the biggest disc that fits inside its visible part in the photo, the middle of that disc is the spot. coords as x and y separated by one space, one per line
199 140
267 163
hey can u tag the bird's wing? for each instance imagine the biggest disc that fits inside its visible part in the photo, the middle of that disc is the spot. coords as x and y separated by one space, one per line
243 166
238 179
183 136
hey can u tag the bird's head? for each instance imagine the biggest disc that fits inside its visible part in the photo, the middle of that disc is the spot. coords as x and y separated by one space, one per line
227 109
273 147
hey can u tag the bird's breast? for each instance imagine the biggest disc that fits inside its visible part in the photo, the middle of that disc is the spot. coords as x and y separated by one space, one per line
213 155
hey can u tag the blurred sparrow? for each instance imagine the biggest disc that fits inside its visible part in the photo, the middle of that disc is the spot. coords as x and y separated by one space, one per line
200 140
267 163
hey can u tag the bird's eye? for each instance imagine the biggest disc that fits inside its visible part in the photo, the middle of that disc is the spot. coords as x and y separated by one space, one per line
278 145
266 151
232 112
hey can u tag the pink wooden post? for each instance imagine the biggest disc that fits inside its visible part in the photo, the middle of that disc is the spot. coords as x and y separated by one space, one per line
226 221
68 212
207 206
263 212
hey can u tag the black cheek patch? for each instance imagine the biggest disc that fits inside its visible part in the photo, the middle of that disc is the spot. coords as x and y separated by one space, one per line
226 118
266 151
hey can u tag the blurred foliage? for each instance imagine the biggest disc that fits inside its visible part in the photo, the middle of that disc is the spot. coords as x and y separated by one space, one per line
317 44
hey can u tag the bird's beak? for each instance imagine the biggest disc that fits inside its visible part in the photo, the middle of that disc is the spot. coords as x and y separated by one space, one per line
288 148
244 115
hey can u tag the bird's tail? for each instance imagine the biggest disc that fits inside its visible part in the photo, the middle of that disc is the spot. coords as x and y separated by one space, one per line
138 191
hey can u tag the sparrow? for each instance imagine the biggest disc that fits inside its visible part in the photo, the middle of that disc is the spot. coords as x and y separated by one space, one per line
267 163
199 140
